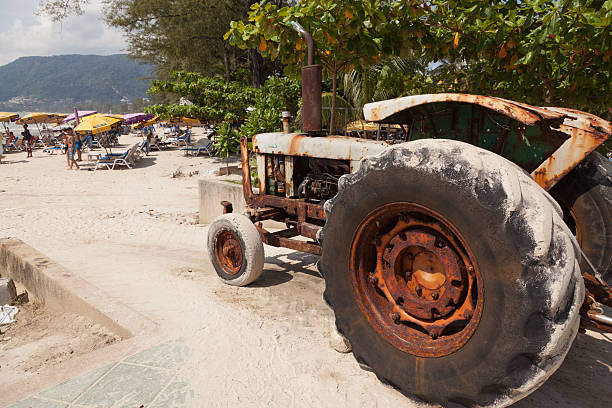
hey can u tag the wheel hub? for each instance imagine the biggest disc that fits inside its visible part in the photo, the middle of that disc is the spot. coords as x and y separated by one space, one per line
228 252
415 280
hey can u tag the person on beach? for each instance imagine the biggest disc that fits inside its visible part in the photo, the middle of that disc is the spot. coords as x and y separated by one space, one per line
78 144
1 148
27 140
64 136
71 148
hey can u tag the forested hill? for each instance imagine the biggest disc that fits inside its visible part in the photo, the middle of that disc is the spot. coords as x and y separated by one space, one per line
67 80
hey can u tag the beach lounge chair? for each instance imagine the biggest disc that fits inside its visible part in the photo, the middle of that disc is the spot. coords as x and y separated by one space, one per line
15 145
141 150
181 138
54 149
118 159
203 145
154 143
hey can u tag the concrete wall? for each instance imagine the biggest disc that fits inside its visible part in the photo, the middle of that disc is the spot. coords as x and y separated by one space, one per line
212 192
62 290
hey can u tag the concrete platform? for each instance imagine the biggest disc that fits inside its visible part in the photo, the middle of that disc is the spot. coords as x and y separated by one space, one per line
211 194
62 290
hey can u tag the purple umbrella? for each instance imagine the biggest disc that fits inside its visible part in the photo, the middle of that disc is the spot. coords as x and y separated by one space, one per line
132 118
81 114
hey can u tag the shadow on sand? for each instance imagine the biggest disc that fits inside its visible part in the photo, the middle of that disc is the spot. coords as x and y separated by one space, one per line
291 263
583 380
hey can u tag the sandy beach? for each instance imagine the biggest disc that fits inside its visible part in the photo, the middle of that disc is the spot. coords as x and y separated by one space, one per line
133 233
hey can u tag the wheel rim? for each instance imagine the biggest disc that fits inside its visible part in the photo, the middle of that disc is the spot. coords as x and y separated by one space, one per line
416 280
228 252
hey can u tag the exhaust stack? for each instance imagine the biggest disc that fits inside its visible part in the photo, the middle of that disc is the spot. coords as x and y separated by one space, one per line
311 87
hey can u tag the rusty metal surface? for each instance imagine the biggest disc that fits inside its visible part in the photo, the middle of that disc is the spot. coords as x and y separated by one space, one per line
384 111
583 120
415 280
311 98
592 315
587 133
228 252
247 189
599 290
283 239
228 208
286 206
308 230
331 147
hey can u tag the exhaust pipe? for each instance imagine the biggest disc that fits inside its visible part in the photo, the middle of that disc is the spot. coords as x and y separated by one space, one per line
311 87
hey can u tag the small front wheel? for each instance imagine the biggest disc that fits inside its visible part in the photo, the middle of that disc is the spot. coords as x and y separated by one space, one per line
235 249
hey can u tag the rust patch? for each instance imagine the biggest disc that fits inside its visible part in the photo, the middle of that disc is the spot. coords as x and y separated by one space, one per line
294 147
580 144
228 252
415 280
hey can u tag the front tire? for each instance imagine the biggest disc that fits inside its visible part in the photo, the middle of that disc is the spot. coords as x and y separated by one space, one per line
235 249
451 273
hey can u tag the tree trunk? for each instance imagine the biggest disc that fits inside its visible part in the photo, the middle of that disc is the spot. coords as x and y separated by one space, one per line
226 63
333 103
256 67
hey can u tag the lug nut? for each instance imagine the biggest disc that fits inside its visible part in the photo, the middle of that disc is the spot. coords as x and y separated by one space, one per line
373 279
440 244
434 332
395 317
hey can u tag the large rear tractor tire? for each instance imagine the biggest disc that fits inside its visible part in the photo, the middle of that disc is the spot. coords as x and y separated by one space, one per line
235 249
585 195
451 273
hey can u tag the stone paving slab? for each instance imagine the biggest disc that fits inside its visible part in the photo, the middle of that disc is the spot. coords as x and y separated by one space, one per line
149 378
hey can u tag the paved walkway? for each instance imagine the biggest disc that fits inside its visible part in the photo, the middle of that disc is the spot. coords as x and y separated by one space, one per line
151 378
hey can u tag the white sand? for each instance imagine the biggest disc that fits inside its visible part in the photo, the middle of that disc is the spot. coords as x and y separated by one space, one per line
132 234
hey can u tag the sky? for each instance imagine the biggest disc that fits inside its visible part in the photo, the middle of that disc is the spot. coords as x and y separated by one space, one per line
22 33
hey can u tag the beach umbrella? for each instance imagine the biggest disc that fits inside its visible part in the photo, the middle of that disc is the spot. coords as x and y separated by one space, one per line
132 118
81 114
184 121
148 122
8 117
98 123
42 117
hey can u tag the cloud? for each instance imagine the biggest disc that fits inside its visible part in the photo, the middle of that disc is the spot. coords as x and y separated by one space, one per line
29 35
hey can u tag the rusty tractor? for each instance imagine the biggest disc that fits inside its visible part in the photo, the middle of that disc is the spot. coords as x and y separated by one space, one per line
460 263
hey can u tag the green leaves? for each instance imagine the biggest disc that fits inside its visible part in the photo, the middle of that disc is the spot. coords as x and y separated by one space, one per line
226 141
346 33
540 52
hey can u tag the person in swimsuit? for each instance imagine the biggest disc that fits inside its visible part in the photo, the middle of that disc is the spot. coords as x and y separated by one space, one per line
78 144
65 136
71 147
27 139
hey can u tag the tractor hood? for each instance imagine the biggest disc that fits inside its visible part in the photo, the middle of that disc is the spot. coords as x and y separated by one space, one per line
331 147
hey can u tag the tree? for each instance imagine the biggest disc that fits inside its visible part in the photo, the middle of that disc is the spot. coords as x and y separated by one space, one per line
542 52
178 34
214 99
226 142
388 79
347 34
